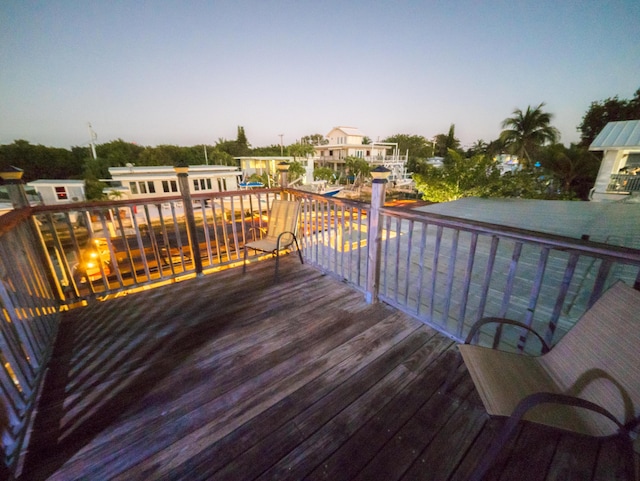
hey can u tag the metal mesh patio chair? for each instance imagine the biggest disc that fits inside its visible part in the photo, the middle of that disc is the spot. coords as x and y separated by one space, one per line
281 232
588 383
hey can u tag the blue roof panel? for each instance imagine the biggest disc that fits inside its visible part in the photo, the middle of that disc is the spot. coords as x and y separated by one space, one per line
624 133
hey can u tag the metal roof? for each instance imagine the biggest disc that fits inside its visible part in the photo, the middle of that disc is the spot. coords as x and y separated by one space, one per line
624 134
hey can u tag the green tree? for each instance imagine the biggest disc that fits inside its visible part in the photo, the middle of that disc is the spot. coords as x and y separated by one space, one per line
272 150
296 170
605 111
119 153
300 150
419 149
41 162
575 168
314 139
357 167
526 132
324 173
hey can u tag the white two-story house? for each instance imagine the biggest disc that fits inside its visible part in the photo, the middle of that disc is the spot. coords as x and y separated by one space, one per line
346 142
619 175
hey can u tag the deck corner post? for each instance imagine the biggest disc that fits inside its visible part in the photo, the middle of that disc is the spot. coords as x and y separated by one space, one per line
192 232
374 240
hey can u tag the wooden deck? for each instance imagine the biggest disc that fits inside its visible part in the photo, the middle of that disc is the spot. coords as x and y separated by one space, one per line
232 377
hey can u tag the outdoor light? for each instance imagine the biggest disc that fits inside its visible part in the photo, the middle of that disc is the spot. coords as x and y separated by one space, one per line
11 173
380 174
283 166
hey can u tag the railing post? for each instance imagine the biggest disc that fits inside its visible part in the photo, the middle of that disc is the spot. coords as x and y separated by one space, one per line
374 240
12 177
187 204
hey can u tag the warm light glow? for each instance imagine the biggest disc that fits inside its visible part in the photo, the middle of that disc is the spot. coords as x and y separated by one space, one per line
283 166
380 173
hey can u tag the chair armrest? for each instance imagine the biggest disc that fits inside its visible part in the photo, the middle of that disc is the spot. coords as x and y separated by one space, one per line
536 399
280 236
500 320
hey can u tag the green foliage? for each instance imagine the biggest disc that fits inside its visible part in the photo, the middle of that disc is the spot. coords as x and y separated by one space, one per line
269 151
300 150
94 189
324 173
296 170
526 132
574 169
357 167
608 110
119 153
314 139
420 149
458 177
478 176
40 162
235 148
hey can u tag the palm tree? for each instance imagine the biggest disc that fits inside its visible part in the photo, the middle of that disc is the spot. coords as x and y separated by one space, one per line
525 132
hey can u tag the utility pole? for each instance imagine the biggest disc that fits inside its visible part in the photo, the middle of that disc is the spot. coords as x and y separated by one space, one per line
92 138
281 151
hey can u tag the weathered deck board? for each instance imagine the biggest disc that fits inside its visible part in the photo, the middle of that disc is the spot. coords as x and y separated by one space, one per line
235 377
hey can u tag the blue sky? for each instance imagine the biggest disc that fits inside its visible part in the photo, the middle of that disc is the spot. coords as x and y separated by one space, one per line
187 73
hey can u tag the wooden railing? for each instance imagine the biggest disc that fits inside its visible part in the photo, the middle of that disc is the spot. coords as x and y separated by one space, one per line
445 271
105 248
450 272
29 323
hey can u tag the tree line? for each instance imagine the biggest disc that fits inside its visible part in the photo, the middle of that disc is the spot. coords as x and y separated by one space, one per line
550 169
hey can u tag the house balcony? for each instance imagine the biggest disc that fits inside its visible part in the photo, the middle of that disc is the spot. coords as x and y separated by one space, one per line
164 361
624 183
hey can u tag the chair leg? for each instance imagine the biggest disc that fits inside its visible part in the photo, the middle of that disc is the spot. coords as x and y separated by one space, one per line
277 263
298 249
244 261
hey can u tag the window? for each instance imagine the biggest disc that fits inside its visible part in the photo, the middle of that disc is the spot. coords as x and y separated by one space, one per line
209 184
174 186
133 187
222 184
165 186
143 188
196 184
151 185
61 193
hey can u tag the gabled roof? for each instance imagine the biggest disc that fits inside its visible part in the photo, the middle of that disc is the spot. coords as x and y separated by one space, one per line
349 131
624 133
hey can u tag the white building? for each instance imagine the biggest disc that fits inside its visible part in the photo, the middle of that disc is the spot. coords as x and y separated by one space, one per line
619 175
349 142
133 182
59 191
263 165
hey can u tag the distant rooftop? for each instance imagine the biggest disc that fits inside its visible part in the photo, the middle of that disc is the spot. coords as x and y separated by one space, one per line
607 222
624 133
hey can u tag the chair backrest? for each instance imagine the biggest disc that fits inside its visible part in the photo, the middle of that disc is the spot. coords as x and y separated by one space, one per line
283 218
599 358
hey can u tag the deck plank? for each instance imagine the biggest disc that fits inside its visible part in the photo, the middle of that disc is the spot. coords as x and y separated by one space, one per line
237 377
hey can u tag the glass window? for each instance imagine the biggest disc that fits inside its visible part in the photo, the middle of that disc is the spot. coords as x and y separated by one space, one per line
133 187
196 184
61 193
143 188
151 185
165 186
174 186
209 184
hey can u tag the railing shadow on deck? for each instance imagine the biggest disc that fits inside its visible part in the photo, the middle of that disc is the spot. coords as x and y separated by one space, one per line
445 271
154 333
